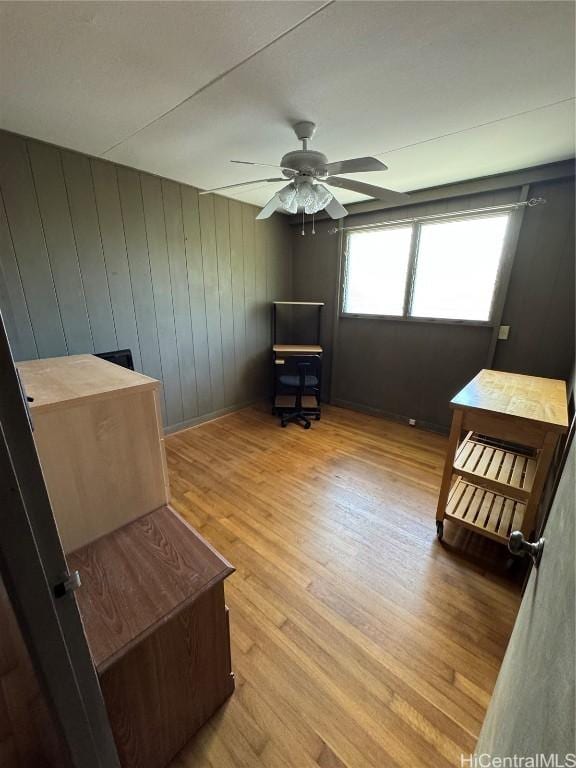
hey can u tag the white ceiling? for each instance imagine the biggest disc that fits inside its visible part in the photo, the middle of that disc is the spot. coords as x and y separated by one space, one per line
441 91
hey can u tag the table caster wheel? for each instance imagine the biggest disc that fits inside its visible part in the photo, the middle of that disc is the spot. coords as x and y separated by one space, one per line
283 424
307 425
317 417
440 529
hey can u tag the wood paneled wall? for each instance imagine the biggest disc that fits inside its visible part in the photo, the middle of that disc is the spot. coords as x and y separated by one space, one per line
95 256
411 370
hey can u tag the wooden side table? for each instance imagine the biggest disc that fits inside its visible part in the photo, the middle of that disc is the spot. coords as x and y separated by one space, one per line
493 478
152 604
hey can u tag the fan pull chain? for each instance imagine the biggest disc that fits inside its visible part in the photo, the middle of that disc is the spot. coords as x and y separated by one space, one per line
313 230
303 233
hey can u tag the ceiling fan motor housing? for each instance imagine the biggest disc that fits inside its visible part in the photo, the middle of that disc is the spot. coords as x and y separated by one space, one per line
305 161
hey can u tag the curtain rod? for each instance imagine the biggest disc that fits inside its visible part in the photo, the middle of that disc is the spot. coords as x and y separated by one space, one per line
413 219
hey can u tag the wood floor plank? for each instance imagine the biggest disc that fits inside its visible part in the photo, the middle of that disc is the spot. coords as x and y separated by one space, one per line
358 640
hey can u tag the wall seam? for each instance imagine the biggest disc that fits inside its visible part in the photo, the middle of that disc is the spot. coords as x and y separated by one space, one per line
46 245
61 162
152 287
19 273
172 295
103 251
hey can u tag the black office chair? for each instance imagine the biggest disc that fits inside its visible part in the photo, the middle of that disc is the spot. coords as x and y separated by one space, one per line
122 357
299 375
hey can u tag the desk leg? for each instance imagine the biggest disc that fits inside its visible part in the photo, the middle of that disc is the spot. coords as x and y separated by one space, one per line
544 460
453 440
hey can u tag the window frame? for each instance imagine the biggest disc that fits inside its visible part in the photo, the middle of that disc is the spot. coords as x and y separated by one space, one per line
416 226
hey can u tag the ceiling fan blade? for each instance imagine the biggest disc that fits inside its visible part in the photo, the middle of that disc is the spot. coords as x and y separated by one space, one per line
356 165
270 207
335 210
388 195
240 184
263 165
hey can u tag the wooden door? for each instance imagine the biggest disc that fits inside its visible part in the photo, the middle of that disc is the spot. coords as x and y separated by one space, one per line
533 709
33 567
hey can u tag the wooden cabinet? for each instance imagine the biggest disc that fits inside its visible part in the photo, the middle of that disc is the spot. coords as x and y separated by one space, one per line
152 603
152 592
98 433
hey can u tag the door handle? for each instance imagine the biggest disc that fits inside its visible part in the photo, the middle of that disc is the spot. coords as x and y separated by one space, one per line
70 584
519 547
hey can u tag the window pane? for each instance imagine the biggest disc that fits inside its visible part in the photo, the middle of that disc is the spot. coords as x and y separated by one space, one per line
377 264
457 266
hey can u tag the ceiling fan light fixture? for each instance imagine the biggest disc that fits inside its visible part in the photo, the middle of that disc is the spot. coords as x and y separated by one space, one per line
287 197
308 197
320 199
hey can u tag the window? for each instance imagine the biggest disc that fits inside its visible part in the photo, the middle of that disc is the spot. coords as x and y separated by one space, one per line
434 270
377 270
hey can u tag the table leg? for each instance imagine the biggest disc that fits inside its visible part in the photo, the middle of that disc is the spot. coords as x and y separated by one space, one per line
542 467
453 440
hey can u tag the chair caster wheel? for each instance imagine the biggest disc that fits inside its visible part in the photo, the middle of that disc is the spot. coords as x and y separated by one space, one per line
307 425
440 529
283 424
317 417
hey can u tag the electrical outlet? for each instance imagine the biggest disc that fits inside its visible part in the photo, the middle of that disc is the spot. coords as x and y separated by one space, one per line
412 422
503 332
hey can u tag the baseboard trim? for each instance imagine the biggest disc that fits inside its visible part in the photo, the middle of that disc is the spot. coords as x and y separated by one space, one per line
212 416
338 402
430 426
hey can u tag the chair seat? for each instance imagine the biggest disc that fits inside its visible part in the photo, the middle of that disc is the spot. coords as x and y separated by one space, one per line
294 381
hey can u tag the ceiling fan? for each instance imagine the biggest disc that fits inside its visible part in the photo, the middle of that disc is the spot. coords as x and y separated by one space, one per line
308 172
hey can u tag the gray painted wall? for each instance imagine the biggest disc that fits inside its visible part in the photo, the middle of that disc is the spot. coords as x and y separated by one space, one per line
96 256
411 370
540 301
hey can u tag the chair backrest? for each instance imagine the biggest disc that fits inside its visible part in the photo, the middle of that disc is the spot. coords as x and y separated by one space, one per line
122 357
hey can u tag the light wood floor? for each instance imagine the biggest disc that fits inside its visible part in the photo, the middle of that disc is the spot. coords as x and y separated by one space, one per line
357 639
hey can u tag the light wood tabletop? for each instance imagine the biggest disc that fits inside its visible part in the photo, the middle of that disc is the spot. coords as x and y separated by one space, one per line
301 303
305 349
517 395
58 381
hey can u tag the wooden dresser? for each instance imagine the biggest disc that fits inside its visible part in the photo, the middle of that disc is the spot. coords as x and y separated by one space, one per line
98 433
152 603
152 592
